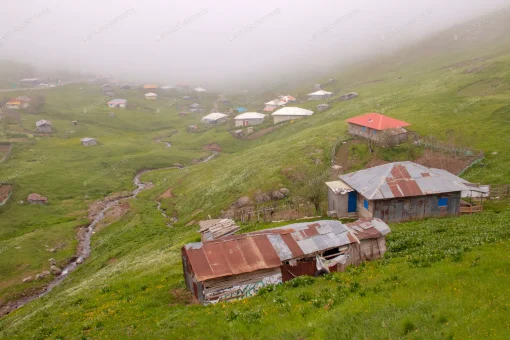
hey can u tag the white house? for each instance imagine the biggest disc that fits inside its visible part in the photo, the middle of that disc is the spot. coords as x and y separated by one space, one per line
200 90
273 105
214 118
87 141
151 96
117 103
290 113
319 95
44 126
168 87
249 118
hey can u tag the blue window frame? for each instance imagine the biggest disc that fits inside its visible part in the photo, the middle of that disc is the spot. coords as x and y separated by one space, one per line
365 204
375 131
363 129
442 202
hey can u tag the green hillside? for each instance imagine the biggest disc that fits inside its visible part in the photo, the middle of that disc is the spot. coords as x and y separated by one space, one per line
441 278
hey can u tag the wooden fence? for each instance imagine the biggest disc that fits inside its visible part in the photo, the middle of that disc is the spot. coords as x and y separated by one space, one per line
498 191
276 212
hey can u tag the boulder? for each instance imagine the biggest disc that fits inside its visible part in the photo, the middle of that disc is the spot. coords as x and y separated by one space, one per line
277 195
52 250
336 167
79 260
262 197
28 279
46 273
285 192
39 277
55 270
242 202
52 261
179 165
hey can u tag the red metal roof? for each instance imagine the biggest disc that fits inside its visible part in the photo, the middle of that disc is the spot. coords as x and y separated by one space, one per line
377 121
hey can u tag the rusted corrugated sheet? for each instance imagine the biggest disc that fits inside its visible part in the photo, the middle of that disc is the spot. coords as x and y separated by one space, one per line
266 249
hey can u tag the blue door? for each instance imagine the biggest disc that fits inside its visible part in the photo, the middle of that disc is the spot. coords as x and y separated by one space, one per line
351 203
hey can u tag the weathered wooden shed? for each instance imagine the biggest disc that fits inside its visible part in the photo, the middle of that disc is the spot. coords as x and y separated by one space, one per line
237 266
44 126
399 191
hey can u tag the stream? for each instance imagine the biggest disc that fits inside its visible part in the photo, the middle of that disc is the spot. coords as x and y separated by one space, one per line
83 249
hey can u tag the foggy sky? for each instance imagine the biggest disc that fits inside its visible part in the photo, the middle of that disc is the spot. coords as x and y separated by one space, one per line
215 42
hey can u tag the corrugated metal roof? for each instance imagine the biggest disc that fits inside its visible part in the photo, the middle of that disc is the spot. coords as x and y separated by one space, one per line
403 179
268 248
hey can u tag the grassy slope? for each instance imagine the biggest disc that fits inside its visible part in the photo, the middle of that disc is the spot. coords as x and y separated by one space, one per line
132 286
135 262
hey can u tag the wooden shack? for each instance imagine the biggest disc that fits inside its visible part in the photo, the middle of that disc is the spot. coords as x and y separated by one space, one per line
237 266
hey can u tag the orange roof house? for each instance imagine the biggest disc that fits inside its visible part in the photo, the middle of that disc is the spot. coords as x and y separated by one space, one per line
381 129
150 86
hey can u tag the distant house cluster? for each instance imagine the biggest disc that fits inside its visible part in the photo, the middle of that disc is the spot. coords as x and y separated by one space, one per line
117 103
278 102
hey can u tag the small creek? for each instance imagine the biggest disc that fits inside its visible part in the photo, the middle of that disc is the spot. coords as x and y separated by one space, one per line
83 251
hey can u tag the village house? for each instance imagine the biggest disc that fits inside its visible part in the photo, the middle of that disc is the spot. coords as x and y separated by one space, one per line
18 103
214 118
150 87
273 105
381 129
44 126
87 141
200 90
249 118
237 266
290 113
399 191
36 199
120 103
168 87
194 107
319 95
151 96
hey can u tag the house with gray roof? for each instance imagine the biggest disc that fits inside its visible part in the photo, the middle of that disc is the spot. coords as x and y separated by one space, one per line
399 191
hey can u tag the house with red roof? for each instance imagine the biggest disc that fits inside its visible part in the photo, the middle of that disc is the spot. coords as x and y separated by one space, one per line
381 129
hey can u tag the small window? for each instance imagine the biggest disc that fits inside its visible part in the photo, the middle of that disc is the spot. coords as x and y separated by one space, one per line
363 129
442 202
375 131
365 204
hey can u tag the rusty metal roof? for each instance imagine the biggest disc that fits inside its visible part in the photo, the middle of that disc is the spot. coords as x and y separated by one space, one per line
264 249
403 179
